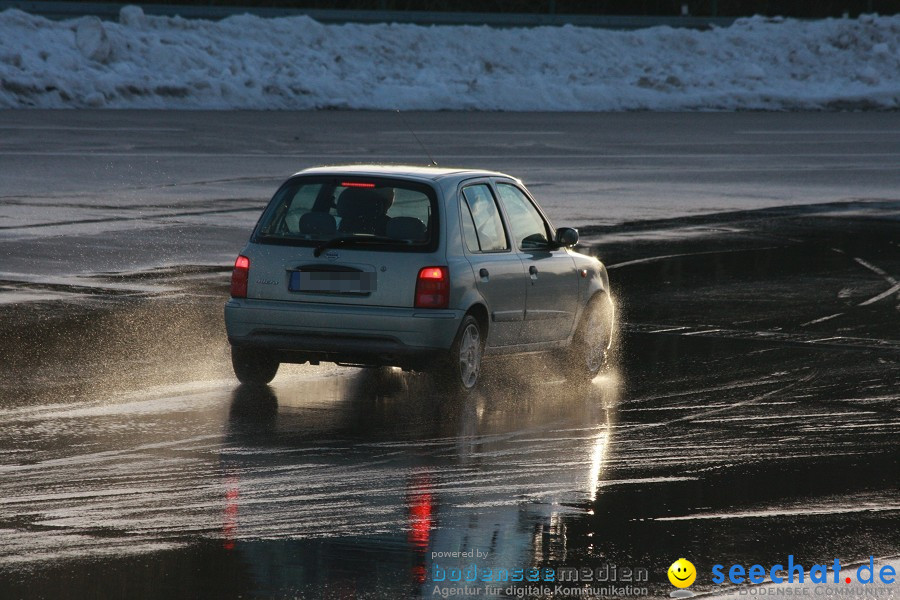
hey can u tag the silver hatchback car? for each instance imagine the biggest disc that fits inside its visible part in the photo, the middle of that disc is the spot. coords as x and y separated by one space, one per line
421 268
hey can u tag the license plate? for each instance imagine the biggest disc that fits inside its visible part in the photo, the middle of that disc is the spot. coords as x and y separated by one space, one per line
332 282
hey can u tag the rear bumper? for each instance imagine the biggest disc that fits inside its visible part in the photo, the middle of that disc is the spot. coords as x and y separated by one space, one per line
298 332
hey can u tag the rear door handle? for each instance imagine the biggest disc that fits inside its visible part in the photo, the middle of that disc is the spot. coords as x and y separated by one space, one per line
533 270
483 273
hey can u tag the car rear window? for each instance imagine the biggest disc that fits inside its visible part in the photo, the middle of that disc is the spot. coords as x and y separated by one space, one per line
378 213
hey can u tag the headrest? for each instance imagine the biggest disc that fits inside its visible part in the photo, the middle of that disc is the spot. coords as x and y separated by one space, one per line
360 202
318 223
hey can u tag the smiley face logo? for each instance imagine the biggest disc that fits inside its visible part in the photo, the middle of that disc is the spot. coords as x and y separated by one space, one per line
682 573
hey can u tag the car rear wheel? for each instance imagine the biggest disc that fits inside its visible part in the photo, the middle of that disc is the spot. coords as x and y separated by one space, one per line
462 366
590 347
254 367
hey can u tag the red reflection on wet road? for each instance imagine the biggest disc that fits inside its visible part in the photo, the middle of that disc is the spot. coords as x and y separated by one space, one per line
230 522
421 507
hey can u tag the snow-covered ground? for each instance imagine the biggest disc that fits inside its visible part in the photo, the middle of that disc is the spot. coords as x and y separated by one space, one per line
249 62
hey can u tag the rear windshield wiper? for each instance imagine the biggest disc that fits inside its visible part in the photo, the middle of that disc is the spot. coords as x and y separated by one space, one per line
360 239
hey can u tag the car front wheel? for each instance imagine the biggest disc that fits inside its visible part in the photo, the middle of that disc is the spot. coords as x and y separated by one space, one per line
590 347
254 367
462 366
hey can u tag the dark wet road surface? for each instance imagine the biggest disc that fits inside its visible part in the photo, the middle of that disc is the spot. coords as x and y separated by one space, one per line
752 414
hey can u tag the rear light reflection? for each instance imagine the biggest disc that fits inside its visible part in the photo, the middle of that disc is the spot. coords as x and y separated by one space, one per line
239 277
422 509
420 519
230 524
433 288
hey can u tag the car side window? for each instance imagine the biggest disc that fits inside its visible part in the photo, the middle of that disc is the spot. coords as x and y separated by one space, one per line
528 228
468 225
480 209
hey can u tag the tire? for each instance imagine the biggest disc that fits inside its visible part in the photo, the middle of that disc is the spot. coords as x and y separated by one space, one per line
253 367
590 348
461 369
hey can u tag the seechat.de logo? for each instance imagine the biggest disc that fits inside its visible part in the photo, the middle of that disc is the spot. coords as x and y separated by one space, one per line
792 572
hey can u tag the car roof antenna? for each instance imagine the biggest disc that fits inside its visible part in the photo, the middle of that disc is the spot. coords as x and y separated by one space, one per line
424 149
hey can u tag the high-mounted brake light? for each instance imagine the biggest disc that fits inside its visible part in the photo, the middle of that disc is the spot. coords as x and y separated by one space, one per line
433 288
357 184
239 277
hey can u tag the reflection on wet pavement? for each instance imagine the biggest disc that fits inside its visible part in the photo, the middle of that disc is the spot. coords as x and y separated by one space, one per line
738 425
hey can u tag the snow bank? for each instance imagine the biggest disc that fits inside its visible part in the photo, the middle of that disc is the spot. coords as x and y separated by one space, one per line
296 63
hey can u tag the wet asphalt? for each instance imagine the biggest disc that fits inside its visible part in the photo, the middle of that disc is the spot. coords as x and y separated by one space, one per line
750 413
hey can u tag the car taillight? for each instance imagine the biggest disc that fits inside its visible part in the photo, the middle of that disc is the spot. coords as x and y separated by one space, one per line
357 184
239 277
433 288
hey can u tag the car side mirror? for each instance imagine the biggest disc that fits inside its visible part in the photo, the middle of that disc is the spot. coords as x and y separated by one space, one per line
566 237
